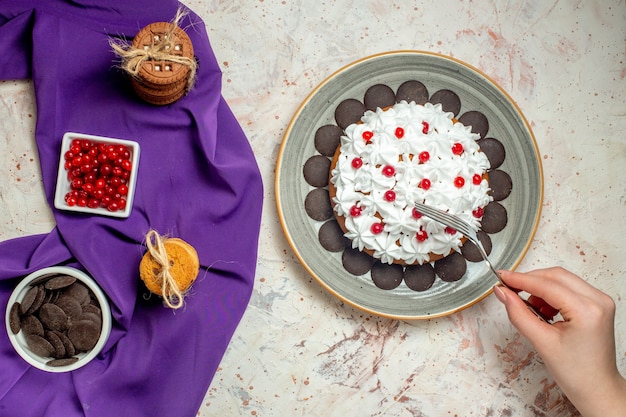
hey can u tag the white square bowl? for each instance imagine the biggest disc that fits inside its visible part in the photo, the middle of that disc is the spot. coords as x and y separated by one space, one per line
63 182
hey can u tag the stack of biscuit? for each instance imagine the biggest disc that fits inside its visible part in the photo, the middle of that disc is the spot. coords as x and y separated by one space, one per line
162 80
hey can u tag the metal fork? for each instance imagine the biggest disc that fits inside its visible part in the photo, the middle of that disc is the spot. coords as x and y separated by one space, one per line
466 230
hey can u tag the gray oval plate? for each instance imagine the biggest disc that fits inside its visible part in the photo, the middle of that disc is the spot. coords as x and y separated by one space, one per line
477 92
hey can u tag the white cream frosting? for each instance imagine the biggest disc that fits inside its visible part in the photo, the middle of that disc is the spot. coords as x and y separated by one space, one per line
424 128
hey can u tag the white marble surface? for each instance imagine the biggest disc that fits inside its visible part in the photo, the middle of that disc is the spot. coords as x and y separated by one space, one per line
299 351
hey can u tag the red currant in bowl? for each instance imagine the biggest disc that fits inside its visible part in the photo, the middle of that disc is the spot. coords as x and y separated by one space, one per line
103 169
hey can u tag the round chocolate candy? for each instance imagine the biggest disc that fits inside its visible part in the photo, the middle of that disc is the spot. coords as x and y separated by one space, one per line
412 90
448 99
379 96
494 150
477 121
356 262
451 268
419 277
327 139
500 183
349 111
317 204
387 276
495 218
316 170
331 237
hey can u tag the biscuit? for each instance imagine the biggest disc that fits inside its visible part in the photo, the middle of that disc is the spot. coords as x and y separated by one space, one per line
184 267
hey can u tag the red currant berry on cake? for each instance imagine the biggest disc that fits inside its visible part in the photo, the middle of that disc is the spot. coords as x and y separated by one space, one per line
421 236
450 230
399 132
478 213
367 135
425 127
355 211
457 148
477 179
425 184
357 163
388 171
424 157
459 182
390 196
377 228
416 214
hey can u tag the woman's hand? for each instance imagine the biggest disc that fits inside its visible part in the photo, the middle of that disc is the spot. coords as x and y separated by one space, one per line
579 351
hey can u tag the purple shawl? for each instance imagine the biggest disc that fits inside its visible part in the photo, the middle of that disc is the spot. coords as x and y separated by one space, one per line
197 180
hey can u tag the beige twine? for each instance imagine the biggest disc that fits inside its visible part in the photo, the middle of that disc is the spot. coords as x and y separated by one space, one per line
172 295
133 58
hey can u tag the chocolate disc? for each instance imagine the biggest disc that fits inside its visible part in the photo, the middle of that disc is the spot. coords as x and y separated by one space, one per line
57 344
495 218
471 252
448 99
317 205
316 170
500 183
419 277
58 282
53 317
31 325
387 276
84 335
379 96
331 237
356 262
14 318
70 306
79 292
29 299
451 268
39 298
327 139
477 121
70 350
494 150
412 90
349 111
39 346
62 362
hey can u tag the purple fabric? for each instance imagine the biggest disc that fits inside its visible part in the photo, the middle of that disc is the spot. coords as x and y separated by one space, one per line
197 180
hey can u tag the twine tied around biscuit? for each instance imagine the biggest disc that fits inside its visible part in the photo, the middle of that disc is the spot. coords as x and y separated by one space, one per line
173 297
132 58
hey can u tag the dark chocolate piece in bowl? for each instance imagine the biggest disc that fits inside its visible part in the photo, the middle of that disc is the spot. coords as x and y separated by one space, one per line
327 139
317 205
494 150
387 276
39 346
29 299
59 282
331 237
31 325
316 170
419 277
412 90
349 111
14 318
356 262
477 121
451 268
500 183
448 99
495 217
379 96
471 252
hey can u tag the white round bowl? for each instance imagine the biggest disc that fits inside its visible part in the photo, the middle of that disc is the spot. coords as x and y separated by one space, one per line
19 341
